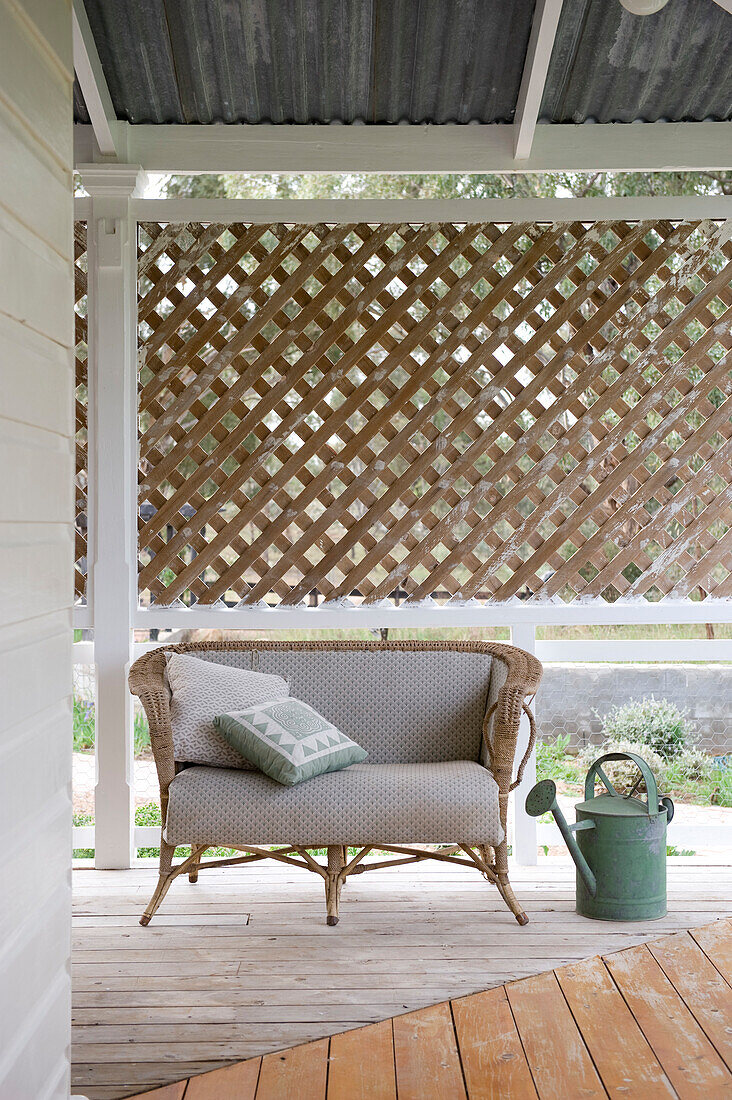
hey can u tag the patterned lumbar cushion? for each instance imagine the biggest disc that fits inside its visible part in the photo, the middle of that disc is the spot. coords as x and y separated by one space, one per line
288 740
202 689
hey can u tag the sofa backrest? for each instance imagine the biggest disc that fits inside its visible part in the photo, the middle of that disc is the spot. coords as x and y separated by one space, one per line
402 706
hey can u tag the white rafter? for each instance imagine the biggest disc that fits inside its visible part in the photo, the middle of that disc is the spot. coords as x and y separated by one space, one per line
93 84
645 147
536 66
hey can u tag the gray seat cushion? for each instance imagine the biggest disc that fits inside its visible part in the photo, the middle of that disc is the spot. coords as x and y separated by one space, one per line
363 804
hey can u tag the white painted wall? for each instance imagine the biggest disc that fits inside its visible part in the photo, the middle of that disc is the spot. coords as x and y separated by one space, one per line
36 540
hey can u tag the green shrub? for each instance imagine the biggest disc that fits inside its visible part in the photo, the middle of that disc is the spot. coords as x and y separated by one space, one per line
696 774
658 723
624 773
142 733
692 774
84 719
149 814
553 761
695 765
83 819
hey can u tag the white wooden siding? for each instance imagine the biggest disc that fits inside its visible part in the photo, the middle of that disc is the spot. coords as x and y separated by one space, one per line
36 541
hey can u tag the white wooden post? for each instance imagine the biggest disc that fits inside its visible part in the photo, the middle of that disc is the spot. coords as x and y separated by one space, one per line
112 452
524 827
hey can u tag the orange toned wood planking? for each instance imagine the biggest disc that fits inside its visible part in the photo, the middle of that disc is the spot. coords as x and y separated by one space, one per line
626 1064
689 1059
715 941
426 1057
167 1092
493 1058
237 1082
361 1064
555 1051
295 1074
703 989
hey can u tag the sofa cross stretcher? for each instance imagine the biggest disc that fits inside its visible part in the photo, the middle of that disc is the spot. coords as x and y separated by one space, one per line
439 721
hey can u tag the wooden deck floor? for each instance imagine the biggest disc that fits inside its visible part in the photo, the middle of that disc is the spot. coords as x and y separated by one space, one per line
242 964
651 1021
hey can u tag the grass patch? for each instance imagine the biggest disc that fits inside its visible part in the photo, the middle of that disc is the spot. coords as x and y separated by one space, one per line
553 761
84 727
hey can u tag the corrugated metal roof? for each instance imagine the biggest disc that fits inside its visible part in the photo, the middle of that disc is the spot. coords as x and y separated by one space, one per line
389 61
611 66
312 60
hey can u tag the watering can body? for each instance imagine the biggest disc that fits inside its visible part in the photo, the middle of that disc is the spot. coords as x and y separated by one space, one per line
618 844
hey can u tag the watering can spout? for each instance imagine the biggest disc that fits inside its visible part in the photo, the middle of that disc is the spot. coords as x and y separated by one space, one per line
542 799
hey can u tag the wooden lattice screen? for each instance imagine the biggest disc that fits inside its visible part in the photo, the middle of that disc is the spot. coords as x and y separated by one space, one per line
387 412
82 473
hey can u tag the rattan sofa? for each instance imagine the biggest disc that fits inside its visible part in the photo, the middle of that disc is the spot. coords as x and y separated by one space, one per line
439 720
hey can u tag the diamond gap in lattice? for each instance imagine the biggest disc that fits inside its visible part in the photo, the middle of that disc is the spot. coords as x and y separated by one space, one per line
454 411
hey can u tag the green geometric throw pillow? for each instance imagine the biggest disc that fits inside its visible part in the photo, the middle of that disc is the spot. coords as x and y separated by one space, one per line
288 740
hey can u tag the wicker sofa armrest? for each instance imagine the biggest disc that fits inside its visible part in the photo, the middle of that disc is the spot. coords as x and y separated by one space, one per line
147 681
503 716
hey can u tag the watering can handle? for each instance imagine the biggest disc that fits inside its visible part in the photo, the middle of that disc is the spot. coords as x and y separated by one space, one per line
648 776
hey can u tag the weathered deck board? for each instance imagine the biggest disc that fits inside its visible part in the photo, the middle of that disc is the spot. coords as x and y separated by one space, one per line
494 1062
704 992
242 964
237 1082
717 946
598 1007
426 1056
600 1028
686 1054
362 1064
555 1050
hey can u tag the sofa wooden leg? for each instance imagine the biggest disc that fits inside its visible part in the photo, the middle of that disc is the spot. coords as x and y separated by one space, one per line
161 890
486 854
332 898
506 892
193 873
167 874
334 882
167 851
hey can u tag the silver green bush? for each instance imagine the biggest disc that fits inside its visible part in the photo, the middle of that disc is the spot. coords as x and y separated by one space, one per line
657 723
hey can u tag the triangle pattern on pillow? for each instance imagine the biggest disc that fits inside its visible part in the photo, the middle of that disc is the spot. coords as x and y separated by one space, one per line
289 741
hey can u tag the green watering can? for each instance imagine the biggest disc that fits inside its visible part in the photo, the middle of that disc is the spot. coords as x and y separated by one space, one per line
620 843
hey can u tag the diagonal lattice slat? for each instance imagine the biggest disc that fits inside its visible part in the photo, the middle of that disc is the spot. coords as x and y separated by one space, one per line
80 355
456 411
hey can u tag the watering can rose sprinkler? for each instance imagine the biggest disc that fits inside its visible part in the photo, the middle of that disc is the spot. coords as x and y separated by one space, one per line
618 843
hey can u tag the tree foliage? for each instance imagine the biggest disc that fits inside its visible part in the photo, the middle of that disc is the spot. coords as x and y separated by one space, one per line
447 186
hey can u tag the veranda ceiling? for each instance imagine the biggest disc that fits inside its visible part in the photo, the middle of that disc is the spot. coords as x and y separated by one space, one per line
416 61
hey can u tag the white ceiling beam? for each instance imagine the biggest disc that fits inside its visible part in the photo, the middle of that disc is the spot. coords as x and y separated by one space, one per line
93 84
641 147
536 66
